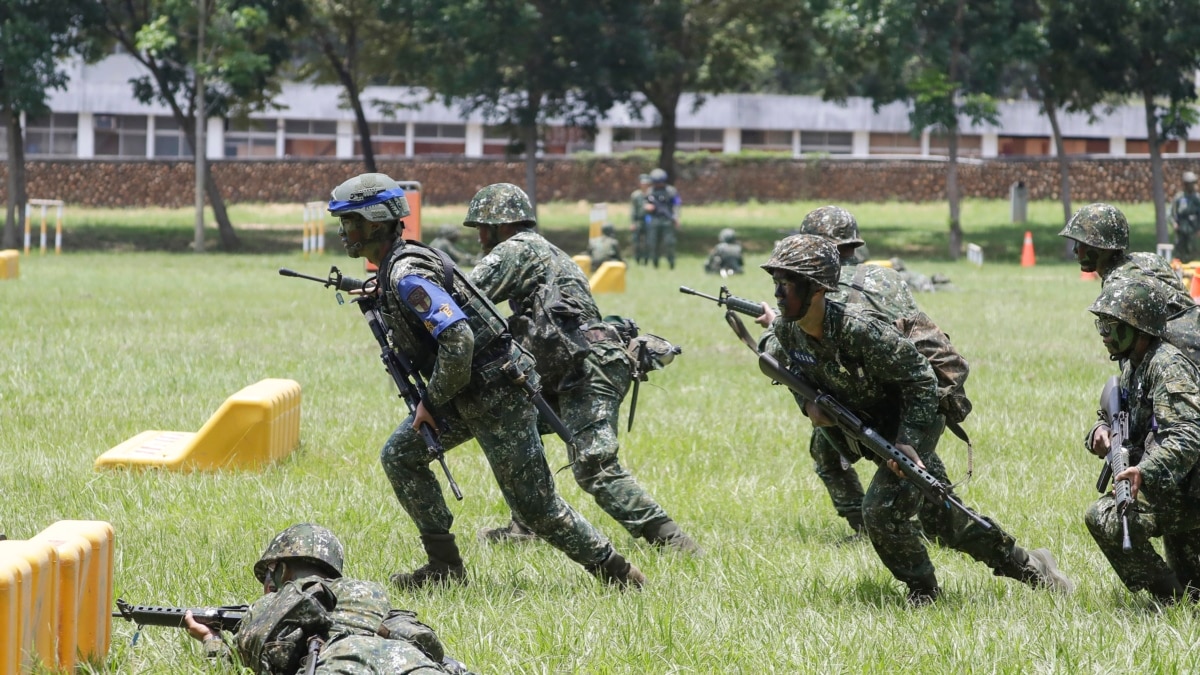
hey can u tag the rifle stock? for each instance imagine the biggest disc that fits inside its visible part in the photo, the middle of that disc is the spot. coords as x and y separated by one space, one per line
1118 454
227 618
932 488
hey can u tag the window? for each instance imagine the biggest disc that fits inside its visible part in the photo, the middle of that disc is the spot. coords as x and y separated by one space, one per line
757 139
309 138
695 140
250 138
968 145
388 139
53 135
120 135
439 139
169 140
831 142
894 144
1020 146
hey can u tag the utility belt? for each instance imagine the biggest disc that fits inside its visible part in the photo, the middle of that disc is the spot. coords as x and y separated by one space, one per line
602 332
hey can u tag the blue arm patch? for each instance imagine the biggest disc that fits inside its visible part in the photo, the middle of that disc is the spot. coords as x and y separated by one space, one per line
430 302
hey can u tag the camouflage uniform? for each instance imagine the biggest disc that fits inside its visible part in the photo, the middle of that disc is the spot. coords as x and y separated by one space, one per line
1161 392
445 241
869 367
637 220
461 349
604 248
588 397
661 223
1185 217
726 256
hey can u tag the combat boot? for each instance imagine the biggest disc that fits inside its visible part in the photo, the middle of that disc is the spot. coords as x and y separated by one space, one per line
921 595
445 565
512 533
667 534
618 571
855 520
1039 570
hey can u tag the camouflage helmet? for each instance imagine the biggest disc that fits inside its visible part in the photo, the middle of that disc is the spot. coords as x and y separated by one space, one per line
644 178
1099 226
1135 302
608 228
375 196
448 232
807 255
499 204
834 223
658 176
727 236
1189 177
307 542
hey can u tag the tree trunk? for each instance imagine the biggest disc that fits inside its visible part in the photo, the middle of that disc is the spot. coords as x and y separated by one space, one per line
352 94
1156 169
956 234
1064 169
670 137
225 232
529 138
14 212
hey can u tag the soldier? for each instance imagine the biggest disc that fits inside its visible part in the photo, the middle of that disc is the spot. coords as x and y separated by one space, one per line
583 362
637 219
1160 391
661 206
447 241
306 596
605 247
726 257
459 340
1185 217
1101 235
872 369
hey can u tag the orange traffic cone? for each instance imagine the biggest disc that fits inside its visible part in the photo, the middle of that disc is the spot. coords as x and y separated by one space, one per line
1027 257
1195 292
1088 276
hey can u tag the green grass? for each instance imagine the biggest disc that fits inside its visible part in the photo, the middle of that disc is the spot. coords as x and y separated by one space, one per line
891 229
101 346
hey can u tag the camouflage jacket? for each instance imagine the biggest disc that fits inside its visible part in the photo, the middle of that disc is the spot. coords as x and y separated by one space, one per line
519 265
866 364
880 290
447 336
1185 211
637 208
666 205
1162 393
603 248
726 256
1152 268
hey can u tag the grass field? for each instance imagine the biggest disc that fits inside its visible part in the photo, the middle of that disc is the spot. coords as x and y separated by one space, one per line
100 346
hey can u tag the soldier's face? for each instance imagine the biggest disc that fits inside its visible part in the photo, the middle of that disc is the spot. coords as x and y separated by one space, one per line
1118 336
1088 256
352 230
793 295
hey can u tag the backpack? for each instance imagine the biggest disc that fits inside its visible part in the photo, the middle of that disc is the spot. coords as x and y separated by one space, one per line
273 639
550 324
934 344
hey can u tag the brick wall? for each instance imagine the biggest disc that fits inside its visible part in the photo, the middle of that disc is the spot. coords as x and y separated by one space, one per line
454 181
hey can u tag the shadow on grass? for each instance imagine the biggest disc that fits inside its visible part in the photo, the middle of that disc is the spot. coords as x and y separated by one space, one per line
132 239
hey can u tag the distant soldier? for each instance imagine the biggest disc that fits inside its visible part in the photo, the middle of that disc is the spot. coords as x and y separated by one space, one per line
662 218
637 219
1185 217
446 241
606 247
726 257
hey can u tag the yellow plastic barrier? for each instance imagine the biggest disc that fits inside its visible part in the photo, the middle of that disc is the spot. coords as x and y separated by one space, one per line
610 278
10 264
255 426
880 262
584 262
35 624
85 588
14 607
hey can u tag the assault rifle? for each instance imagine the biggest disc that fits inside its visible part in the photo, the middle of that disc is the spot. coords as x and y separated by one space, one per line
408 379
1117 460
226 619
932 488
740 305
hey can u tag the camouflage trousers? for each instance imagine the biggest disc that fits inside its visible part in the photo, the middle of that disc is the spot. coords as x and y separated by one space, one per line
641 243
891 502
504 423
1173 517
1183 245
660 241
835 468
590 408
373 655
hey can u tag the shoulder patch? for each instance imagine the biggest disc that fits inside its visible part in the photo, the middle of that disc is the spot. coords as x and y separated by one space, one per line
432 305
418 299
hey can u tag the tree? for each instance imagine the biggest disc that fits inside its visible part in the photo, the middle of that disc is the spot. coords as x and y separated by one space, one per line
244 46
34 39
702 46
944 57
519 62
360 42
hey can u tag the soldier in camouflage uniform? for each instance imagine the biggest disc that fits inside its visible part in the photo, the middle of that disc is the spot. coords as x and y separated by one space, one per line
661 206
475 371
1160 389
447 241
586 385
1101 235
867 365
637 219
604 248
1185 217
726 257
305 596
